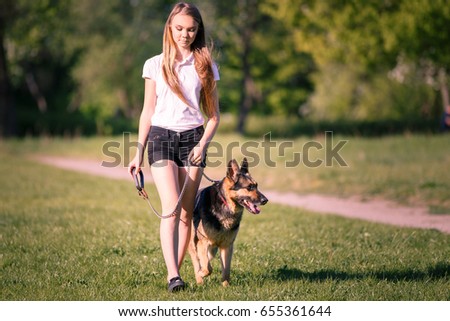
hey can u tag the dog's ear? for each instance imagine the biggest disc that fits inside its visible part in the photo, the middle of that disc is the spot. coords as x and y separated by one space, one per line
244 166
233 170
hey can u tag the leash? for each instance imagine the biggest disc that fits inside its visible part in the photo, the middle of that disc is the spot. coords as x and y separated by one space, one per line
210 179
139 183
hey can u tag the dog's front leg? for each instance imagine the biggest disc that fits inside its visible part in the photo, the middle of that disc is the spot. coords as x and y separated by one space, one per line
195 261
202 252
225 258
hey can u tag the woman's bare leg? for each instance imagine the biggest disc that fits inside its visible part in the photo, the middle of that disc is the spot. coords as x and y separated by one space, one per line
165 176
187 208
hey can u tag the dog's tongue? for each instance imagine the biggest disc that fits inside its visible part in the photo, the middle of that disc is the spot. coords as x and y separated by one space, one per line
252 207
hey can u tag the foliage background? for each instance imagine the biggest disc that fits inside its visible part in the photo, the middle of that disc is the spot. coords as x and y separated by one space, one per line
74 67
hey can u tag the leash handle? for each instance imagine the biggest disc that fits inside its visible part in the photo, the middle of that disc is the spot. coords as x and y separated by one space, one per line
138 181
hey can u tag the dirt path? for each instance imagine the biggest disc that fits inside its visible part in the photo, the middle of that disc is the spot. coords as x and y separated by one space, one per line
375 210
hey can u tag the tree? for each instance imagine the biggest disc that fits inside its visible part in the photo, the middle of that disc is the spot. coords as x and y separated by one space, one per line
262 71
284 71
7 106
116 37
420 34
237 22
36 61
376 36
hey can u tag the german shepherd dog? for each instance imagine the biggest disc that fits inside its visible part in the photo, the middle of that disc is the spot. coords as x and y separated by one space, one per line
217 216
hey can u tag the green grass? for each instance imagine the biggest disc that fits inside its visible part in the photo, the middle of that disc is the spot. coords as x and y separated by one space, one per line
68 236
409 169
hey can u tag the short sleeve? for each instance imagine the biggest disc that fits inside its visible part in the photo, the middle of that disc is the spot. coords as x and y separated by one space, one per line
152 67
215 70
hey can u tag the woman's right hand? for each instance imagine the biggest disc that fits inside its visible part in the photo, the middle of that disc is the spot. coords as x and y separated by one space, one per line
135 164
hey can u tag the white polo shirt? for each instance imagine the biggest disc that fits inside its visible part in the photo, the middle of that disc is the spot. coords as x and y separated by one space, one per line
170 111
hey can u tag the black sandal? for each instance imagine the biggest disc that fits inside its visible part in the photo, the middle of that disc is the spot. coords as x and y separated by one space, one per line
176 284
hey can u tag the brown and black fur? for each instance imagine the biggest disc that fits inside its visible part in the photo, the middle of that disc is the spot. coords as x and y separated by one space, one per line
217 216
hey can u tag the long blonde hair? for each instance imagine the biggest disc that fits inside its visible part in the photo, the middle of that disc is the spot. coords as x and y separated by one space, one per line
202 56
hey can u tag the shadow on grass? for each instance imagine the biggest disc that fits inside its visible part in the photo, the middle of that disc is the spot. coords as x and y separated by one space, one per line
440 271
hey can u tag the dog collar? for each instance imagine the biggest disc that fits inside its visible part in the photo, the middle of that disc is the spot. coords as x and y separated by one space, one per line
222 198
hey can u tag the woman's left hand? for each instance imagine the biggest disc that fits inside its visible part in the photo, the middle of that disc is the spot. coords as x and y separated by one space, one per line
197 155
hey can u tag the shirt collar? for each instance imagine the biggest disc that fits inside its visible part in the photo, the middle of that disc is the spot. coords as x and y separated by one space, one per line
188 61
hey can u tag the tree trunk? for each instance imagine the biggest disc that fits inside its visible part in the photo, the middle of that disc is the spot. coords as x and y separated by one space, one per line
248 9
33 87
8 126
444 90
246 99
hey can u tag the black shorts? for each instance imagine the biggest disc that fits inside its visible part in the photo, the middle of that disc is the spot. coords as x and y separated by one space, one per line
166 144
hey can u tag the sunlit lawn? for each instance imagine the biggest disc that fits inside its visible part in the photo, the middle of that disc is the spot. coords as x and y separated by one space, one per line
69 236
411 170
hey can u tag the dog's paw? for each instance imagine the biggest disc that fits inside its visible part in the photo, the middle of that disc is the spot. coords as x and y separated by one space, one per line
204 272
199 280
225 283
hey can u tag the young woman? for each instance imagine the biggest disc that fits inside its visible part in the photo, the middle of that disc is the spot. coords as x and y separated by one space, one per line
180 86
